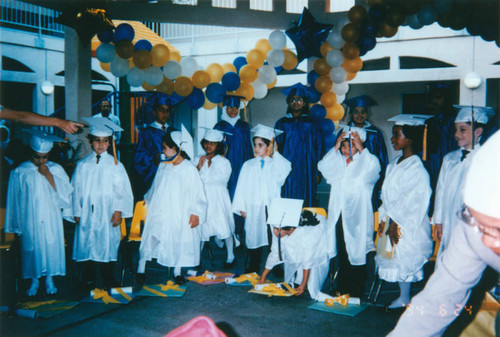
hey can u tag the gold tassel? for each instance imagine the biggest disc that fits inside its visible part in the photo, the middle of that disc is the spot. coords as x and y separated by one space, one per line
245 110
114 151
424 145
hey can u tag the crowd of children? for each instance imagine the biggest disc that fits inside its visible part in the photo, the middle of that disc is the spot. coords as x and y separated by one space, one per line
191 200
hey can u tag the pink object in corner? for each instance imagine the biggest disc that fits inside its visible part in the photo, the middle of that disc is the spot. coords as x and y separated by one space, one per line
200 326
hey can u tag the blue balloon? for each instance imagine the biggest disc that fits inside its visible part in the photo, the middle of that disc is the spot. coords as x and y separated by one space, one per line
215 92
327 127
143 44
312 76
367 43
329 141
376 13
313 95
278 69
368 29
124 31
427 15
239 62
317 111
105 36
196 99
231 81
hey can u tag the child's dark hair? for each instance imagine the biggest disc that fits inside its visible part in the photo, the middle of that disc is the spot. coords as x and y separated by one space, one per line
218 150
167 139
477 125
308 218
266 141
91 138
415 134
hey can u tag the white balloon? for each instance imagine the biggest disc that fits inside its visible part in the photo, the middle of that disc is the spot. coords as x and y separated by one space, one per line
154 76
338 74
277 39
259 89
334 58
267 74
172 69
472 80
105 52
189 66
335 39
119 67
135 77
341 88
342 21
275 57
340 98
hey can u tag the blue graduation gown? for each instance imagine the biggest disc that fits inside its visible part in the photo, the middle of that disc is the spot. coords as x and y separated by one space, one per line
148 145
302 144
239 148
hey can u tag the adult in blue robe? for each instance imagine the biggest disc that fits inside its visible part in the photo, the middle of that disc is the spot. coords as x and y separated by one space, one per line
302 144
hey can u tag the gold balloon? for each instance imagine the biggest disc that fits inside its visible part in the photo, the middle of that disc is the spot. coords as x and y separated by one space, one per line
353 66
175 56
245 90
256 58
291 60
148 87
166 86
357 14
183 86
350 76
215 71
321 67
229 67
105 66
350 32
271 85
387 30
325 48
328 99
335 113
248 73
160 54
323 84
142 59
350 50
124 49
263 45
209 105
201 79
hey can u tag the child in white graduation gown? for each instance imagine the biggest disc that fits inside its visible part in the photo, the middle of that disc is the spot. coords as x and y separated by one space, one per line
176 206
403 214
260 181
102 197
449 192
215 171
38 196
352 172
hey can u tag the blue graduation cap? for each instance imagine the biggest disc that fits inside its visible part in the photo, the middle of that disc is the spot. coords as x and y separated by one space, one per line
232 101
164 99
362 101
298 89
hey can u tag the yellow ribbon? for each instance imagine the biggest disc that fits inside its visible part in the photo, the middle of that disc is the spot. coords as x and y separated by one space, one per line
201 278
33 305
171 286
342 300
103 294
125 295
274 290
153 291
252 278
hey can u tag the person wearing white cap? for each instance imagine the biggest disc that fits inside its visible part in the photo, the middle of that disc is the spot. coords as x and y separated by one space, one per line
215 171
301 243
352 171
102 197
469 126
474 245
176 205
38 197
403 214
259 182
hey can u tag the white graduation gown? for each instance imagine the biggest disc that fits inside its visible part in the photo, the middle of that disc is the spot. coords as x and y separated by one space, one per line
255 189
307 247
405 199
449 193
350 195
100 190
220 219
176 193
35 211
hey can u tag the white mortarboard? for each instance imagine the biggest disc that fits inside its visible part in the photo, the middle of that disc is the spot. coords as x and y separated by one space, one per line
482 183
360 131
266 132
481 114
213 135
411 120
285 212
101 127
184 141
42 142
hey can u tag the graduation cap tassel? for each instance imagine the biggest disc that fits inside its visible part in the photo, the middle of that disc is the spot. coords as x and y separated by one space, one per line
473 127
245 110
424 144
114 151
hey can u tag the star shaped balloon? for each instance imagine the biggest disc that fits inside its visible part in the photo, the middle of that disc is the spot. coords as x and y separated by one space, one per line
308 35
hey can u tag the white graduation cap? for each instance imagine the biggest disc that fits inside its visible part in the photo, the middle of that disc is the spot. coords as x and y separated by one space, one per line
184 141
101 127
350 129
213 135
265 132
411 120
285 212
481 113
41 141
